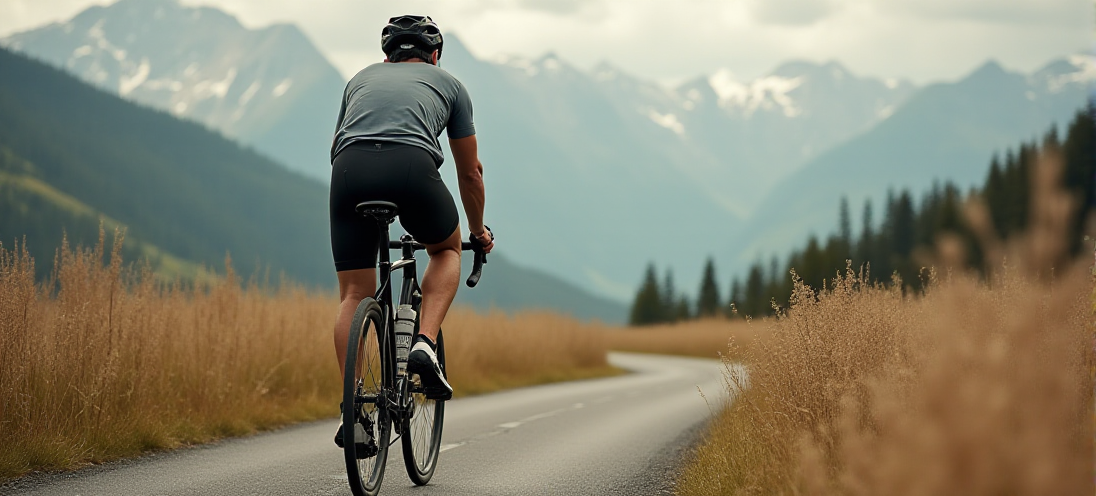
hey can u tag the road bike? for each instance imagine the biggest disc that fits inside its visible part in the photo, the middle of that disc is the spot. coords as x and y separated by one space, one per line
382 396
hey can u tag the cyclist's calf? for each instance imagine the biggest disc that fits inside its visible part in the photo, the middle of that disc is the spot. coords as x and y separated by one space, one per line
439 283
354 286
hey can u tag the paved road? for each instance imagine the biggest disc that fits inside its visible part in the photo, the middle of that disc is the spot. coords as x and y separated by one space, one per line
620 435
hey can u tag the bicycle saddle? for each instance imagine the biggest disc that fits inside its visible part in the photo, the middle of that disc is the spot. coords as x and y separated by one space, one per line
380 210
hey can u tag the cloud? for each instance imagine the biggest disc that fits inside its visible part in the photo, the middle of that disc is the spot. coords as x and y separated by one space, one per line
558 7
792 12
924 40
1016 12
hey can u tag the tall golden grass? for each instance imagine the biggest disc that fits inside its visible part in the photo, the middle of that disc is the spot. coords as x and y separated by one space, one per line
489 352
978 386
105 361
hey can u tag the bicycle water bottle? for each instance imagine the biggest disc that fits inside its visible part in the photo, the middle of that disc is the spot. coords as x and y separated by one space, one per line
405 329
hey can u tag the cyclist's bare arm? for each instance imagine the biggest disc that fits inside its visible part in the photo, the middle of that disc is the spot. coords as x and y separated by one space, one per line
470 182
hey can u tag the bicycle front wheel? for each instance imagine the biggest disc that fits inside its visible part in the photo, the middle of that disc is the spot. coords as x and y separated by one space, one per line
422 431
370 373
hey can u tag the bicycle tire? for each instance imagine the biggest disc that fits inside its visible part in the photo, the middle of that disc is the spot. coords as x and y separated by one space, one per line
370 359
422 431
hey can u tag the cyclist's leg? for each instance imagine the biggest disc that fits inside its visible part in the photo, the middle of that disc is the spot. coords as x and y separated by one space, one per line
354 286
353 237
439 283
428 212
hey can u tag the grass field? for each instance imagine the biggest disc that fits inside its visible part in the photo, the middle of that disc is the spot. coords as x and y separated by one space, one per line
978 386
106 361
707 338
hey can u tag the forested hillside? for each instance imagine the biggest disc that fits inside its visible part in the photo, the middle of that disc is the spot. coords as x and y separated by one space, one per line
174 184
909 230
38 213
902 242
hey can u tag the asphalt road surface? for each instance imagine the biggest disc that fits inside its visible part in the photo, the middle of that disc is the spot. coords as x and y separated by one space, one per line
619 435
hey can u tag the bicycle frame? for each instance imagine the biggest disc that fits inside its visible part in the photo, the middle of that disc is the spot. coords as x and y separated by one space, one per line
410 294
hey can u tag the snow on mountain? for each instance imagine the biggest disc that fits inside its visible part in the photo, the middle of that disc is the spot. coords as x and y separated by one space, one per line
1061 75
944 132
268 87
766 93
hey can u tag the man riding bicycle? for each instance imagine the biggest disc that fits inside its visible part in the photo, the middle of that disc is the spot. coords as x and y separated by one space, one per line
386 149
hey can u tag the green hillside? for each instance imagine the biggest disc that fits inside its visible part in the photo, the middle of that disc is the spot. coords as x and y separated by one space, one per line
32 210
175 185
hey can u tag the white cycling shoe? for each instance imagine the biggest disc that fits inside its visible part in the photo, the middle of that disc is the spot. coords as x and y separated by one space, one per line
422 360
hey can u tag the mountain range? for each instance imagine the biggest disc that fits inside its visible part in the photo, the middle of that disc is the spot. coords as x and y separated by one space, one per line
72 157
269 88
947 131
593 174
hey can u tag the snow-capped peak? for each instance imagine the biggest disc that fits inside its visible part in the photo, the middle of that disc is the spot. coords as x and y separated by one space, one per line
766 93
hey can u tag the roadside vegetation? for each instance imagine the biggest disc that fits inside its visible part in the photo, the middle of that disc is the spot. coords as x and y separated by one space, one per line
972 382
104 360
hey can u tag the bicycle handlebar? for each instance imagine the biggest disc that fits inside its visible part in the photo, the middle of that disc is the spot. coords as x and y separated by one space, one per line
478 259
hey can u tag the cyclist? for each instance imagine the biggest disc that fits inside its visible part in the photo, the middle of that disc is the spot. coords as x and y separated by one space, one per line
386 149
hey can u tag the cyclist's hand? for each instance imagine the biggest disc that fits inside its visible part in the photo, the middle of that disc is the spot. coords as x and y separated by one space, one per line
485 239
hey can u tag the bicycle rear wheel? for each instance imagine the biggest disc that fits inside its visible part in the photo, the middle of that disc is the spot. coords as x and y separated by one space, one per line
422 431
370 373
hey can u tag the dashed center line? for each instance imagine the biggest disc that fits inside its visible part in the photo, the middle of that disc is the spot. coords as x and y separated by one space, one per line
512 425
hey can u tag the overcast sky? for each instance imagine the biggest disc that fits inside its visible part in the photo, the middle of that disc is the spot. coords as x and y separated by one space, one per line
670 41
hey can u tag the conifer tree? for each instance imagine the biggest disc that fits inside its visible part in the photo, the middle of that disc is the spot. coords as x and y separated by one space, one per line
707 301
902 226
867 237
648 305
1078 151
777 287
681 310
994 194
843 247
754 304
669 298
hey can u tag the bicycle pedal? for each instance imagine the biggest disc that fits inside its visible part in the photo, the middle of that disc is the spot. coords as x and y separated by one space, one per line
437 393
366 451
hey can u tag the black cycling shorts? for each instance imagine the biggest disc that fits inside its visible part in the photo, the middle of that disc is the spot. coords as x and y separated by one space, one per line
380 171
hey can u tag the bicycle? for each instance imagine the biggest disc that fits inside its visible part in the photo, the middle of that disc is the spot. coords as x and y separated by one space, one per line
382 395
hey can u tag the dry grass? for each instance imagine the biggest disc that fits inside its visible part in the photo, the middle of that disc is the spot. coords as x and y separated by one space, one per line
706 338
973 388
487 353
105 361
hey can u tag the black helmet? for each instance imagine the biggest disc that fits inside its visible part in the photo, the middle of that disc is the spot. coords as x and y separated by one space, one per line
410 31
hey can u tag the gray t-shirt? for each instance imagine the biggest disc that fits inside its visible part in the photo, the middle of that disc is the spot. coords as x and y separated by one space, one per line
406 103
